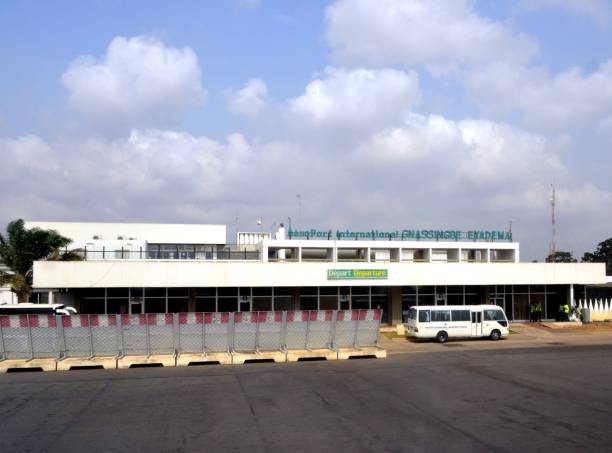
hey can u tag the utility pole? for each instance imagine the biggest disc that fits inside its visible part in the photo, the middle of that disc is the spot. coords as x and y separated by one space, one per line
553 226
299 219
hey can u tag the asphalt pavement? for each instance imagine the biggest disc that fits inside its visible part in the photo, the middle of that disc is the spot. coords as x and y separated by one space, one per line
453 399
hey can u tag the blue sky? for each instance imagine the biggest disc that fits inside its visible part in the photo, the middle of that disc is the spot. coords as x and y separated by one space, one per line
390 113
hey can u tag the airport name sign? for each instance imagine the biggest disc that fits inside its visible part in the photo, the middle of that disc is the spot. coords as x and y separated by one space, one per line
436 235
357 274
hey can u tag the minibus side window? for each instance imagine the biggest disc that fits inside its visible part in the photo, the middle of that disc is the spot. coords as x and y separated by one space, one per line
461 315
424 316
412 313
440 315
494 315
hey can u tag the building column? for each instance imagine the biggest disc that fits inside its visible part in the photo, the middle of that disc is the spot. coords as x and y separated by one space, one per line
571 295
395 317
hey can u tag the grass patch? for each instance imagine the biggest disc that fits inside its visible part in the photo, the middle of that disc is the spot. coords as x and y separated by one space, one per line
393 335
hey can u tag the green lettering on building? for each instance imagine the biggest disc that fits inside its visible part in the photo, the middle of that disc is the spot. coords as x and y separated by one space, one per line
403 235
357 274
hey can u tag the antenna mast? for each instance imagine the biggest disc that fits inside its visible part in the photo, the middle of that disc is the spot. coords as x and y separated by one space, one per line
553 247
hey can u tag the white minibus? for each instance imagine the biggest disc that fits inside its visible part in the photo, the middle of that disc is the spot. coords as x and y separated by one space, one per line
36 309
442 322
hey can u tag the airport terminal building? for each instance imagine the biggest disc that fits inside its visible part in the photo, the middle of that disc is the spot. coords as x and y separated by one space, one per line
166 268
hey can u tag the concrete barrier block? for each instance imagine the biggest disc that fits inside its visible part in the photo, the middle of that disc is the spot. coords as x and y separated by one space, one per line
108 363
241 357
131 360
43 364
295 355
224 358
347 353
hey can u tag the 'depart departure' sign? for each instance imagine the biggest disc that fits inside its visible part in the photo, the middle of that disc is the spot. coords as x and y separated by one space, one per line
357 274
403 235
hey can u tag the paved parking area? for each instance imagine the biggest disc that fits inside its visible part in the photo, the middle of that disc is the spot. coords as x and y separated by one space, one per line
461 399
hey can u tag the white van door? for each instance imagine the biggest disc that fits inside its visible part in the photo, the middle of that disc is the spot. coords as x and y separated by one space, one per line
476 323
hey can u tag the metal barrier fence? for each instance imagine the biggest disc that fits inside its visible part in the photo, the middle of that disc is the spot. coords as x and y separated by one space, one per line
48 336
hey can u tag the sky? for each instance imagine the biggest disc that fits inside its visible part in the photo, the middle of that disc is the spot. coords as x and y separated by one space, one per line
345 114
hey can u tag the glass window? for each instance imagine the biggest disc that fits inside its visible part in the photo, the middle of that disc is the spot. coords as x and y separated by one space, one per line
424 316
328 290
282 303
261 292
360 302
206 292
361 290
117 306
155 292
205 305
454 289
309 291
117 292
177 292
262 303
92 306
308 303
426 290
412 313
328 303
460 315
454 299
93 292
178 305
408 289
426 299
228 304
494 315
155 306
283 291
440 315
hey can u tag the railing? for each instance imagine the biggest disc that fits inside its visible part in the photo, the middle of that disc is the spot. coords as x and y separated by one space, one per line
143 254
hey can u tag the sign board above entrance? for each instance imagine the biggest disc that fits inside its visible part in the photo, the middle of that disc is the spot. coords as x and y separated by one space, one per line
404 235
357 274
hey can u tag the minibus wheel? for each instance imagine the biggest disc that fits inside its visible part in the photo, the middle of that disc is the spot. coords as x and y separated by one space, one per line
495 335
441 337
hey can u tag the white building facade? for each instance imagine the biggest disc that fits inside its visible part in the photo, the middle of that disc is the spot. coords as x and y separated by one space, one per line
155 268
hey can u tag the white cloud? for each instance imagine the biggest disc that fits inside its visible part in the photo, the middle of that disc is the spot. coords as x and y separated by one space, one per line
479 153
364 98
248 101
440 34
138 82
556 102
597 10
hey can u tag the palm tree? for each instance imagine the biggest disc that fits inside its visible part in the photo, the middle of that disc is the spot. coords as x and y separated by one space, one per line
21 247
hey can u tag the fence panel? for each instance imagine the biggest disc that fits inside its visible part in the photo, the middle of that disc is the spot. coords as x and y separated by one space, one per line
346 325
320 329
190 332
105 337
161 333
367 328
245 331
134 330
218 331
77 340
269 330
296 329
16 336
43 331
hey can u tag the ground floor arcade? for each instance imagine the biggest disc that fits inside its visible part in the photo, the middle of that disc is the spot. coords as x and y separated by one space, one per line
394 300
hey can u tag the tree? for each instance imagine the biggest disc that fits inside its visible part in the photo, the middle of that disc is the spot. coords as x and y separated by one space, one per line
602 254
561 257
21 247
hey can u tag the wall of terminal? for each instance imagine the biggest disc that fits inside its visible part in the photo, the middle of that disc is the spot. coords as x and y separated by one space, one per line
178 274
